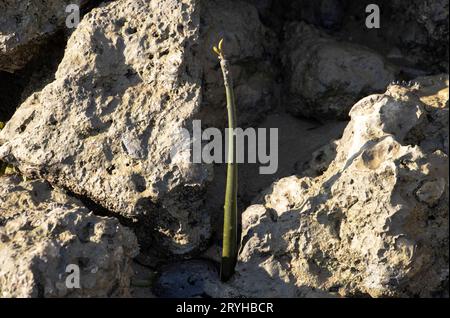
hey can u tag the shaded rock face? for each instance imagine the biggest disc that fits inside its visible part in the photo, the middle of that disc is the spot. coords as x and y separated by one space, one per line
425 24
250 50
328 14
24 25
415 31
324 77
375 223
106 124
39 71
418 29
43 231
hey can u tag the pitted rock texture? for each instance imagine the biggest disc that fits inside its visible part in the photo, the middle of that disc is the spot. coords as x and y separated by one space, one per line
375 223
44 233
24 25
106 127
325 77
366 216
321 159
132 76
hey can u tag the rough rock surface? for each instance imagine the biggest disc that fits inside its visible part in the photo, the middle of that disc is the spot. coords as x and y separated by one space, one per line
24 25
324 77
42 231
422 28
375 223
321 159
328 14
106 126
366 216
249 48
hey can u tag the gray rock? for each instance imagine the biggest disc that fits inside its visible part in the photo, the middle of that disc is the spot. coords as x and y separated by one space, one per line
249 46
324 77
328 14
321 159
266 10
134 73
43 232
24 25
375 223
105 127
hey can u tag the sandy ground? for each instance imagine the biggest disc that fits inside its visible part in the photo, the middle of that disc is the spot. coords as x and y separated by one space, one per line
298 138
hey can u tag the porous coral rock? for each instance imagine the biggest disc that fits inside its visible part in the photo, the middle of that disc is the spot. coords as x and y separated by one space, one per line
375 223
45 235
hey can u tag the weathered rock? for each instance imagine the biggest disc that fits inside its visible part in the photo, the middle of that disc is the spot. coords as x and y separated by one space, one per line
133 74
322 13
321 159
39 71
422 30
249 48
266 11
106 126
24 25
412 34
375 223
324 77
43 232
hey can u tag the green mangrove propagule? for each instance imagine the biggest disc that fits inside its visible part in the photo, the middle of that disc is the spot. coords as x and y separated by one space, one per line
230 218
3 165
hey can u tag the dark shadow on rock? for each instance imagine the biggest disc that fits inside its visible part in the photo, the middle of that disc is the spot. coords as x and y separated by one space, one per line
16 87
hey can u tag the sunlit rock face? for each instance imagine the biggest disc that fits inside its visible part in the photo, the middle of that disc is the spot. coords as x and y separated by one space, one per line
128 80
132 76
53 246
375 222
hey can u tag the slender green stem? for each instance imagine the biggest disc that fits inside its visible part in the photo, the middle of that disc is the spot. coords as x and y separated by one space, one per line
2 164
230 221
